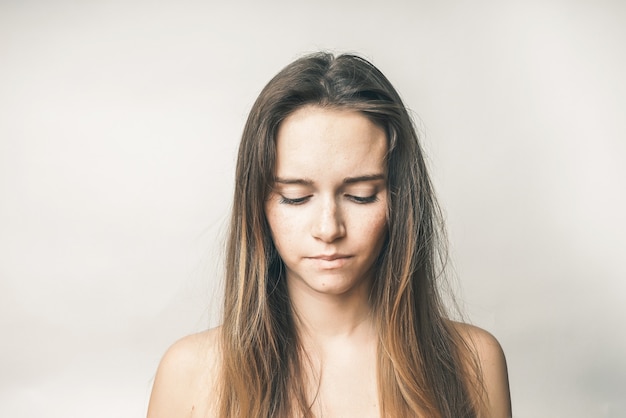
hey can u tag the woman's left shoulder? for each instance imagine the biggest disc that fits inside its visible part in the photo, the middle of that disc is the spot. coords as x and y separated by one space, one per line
494 375
485 344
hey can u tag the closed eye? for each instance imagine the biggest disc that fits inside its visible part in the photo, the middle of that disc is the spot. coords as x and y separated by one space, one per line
363 200
297 201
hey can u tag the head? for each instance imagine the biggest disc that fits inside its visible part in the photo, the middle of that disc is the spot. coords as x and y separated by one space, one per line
345 82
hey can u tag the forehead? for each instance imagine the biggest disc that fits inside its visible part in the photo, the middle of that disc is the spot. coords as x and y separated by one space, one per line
314 140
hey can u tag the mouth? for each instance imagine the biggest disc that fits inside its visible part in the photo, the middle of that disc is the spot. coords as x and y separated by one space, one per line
330 257
330 261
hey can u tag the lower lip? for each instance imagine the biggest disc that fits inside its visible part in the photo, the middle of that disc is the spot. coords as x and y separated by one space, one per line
330 264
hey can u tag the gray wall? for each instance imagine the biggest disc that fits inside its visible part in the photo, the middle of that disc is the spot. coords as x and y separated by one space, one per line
119 123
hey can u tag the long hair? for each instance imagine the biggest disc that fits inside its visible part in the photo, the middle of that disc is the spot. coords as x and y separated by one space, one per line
424 366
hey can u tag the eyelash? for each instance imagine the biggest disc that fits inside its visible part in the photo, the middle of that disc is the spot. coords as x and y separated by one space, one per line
298 201
364 200
356 199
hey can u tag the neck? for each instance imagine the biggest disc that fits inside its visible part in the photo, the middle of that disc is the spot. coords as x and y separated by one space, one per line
325 318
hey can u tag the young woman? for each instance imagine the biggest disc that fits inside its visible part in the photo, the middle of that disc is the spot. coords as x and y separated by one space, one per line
332 306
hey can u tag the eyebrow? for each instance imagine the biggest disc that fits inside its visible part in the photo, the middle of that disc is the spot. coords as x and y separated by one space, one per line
347 180
368 177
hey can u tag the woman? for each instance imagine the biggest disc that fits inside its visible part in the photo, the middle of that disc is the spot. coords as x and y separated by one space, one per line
332 306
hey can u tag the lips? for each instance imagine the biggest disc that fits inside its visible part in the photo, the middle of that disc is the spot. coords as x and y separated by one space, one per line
330 261
330 257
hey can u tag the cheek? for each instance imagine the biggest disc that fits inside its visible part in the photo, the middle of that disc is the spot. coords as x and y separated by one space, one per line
281 226
379 227
374 228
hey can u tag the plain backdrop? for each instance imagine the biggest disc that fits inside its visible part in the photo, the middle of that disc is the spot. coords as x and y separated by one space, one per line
119 123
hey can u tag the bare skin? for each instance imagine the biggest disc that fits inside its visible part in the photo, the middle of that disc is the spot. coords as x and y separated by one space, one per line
494 371
328 219
184 386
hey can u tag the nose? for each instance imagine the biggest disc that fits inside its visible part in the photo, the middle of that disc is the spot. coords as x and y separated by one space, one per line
329 224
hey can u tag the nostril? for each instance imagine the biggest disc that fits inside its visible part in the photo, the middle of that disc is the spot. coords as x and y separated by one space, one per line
329 227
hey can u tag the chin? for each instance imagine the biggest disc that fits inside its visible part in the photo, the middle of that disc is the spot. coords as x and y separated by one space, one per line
335 284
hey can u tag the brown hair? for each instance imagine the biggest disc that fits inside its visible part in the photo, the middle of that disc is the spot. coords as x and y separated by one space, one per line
424 366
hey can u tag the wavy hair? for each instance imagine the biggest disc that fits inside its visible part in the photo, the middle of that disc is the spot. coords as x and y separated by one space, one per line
424 366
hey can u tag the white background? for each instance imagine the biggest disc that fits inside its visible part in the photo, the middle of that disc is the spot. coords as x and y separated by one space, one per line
119 122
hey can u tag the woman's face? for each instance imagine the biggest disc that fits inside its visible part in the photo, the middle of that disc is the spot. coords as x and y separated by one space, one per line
327 210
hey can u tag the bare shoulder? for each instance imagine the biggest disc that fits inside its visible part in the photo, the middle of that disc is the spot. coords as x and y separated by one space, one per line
492 361
186 377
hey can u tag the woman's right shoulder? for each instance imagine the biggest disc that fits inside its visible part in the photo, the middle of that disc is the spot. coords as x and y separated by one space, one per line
186 375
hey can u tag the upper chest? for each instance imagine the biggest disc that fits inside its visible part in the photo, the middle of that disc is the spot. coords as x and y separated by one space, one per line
347 384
